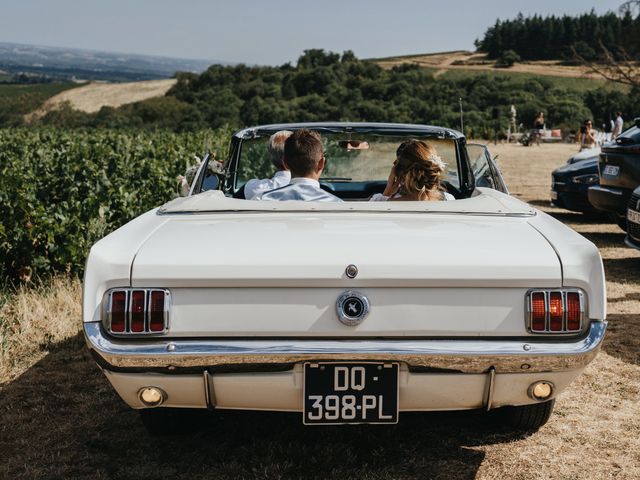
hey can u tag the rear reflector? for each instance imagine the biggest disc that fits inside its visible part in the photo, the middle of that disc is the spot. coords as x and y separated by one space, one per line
538 311
139 311
555 311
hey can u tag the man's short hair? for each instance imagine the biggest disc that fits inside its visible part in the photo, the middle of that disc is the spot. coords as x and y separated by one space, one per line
303 151
276 148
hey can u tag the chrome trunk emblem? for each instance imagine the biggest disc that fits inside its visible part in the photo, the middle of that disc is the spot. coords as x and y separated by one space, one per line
352 308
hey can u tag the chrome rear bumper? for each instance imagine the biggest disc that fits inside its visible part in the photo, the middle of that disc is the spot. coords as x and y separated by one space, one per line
460 356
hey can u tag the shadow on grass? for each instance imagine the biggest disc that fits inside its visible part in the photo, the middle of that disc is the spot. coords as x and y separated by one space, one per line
61 419
606 239
622 340
623 269
567 216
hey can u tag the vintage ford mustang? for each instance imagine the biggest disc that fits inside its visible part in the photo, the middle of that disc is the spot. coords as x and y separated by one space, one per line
345 312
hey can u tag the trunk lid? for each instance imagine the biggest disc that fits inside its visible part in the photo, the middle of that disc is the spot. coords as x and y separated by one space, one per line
304 249
281 274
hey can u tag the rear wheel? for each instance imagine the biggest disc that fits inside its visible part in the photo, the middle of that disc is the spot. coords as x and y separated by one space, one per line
528 417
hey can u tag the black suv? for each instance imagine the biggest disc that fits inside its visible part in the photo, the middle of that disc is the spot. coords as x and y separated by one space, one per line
619 171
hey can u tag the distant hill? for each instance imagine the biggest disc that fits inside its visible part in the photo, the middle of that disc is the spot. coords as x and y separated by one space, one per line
56 63
92 97
463 60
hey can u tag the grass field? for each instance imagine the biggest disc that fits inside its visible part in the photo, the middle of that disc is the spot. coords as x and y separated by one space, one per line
92 97
462 61
42 90
61 419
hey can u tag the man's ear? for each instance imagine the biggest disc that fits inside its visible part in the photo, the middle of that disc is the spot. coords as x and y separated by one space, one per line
320 164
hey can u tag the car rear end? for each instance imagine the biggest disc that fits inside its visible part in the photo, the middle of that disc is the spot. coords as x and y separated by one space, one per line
619 172
350 318
633 220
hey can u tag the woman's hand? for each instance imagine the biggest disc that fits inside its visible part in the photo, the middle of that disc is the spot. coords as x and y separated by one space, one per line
392 183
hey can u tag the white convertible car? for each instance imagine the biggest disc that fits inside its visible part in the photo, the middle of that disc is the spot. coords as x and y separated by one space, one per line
346 312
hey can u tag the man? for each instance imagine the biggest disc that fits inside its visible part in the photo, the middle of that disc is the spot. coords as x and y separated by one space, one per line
617 125
304 157
256 187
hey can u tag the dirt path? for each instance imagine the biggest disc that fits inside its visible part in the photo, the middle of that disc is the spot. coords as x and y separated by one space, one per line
61 418
92 97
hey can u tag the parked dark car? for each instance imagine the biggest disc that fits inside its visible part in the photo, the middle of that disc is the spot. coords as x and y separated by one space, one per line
619 171
570 183
633 220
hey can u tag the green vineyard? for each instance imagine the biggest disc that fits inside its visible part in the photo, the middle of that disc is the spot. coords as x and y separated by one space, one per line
60 191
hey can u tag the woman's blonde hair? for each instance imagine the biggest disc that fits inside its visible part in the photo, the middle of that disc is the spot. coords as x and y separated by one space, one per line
419 170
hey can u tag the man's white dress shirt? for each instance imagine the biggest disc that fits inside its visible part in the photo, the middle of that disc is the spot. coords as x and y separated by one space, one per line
256 187
300 188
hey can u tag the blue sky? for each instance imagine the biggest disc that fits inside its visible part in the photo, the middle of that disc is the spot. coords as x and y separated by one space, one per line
270 31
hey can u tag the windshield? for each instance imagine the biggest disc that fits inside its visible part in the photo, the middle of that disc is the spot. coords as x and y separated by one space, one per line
350 157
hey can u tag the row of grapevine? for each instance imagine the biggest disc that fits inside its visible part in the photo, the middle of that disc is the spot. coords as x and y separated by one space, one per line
60 191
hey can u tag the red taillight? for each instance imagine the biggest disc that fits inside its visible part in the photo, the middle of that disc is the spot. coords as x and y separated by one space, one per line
118 311
574 311
555 311
538 311
156 311
137 311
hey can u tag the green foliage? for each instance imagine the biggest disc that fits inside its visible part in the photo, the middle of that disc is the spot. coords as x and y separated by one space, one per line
326 86
507 59
555 38
16 100
60 191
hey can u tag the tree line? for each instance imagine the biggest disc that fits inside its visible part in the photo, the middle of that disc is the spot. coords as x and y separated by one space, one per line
561 38
326 86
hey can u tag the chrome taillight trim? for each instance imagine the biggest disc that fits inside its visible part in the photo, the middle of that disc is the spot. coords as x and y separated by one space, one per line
547 302
146 331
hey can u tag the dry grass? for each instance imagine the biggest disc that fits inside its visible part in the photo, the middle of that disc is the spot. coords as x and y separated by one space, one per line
92 97
460 60
61 419
35 319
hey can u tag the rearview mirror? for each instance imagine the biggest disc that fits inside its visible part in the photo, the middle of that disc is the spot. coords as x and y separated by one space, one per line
354 144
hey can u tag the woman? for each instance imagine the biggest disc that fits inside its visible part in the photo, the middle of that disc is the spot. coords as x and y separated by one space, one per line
538 127
586 137
416 175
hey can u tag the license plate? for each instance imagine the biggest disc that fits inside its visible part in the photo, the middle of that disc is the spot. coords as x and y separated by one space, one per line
611 170
633 216
339 393
554 195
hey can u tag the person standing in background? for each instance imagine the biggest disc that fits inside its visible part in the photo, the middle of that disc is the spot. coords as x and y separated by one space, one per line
538 127
585 137
617 125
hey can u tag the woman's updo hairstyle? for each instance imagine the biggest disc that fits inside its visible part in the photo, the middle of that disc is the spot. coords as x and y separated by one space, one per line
419 170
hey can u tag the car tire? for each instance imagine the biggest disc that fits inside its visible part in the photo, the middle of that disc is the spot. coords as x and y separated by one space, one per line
168 421
529 417
620 220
